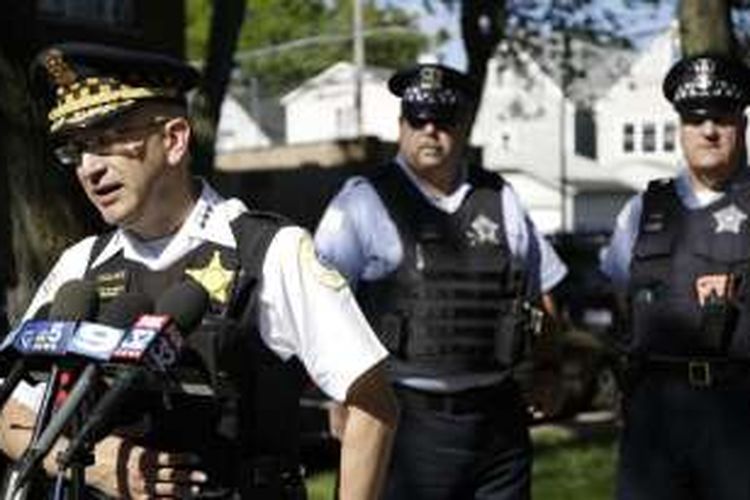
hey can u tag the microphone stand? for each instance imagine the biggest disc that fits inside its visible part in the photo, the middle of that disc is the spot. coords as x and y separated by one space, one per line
35 453
10 491
78 462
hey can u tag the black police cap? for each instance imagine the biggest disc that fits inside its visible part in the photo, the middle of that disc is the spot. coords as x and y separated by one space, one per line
708 84
86 84
432 91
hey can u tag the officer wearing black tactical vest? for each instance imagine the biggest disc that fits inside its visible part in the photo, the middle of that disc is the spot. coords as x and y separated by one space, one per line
681 253
445 262
118 121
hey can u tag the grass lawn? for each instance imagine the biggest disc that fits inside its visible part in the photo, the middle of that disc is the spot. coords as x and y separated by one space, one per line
569 464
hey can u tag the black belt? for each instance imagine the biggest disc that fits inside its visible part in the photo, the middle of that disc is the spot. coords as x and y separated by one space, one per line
474 400
698 373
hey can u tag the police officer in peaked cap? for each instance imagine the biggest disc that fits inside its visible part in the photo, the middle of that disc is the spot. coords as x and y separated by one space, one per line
680 254
118 121
443 257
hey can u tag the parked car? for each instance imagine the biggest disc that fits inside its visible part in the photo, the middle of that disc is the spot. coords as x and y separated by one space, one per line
588 309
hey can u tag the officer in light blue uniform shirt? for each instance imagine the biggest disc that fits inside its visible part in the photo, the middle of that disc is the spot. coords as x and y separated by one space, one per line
680 255
443 257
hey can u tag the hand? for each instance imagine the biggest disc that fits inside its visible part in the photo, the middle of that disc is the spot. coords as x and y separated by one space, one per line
124 470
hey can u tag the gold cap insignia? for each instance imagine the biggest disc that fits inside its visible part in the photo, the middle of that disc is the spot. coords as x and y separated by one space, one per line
59 71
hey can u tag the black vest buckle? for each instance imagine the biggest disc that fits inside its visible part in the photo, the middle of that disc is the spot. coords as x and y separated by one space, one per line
699 374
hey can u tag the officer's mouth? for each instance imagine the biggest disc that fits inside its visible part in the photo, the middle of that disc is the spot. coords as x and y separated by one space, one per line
108 193
431 150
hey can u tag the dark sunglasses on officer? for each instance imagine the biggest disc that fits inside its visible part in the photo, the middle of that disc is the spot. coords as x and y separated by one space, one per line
717 116
442 117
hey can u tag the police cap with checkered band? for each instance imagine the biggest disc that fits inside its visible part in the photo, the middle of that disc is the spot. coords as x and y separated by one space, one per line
89 84
708 85
432 92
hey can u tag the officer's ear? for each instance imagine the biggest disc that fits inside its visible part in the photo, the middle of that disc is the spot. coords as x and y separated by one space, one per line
177 134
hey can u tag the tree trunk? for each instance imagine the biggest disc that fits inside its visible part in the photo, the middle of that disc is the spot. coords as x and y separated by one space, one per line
41 218
226 21
482 28
706 27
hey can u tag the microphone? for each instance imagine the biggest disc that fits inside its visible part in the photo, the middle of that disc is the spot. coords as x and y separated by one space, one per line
119 313
74 301
17 370
151 342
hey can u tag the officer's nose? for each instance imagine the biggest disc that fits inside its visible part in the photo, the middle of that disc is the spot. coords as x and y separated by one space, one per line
429 127
709 127
92 167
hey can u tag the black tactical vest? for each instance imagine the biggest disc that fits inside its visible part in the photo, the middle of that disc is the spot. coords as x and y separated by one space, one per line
233 435
450 307
675 247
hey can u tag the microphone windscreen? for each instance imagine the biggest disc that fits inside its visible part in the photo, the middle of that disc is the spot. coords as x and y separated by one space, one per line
186 303
123 310
75 300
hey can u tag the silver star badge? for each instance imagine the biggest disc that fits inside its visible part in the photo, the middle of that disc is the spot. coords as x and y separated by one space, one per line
729 219
483 230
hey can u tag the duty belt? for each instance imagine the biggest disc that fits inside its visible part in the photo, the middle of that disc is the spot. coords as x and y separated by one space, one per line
474 400
698 373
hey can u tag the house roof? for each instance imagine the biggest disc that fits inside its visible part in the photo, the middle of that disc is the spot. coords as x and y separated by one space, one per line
597 67
340 72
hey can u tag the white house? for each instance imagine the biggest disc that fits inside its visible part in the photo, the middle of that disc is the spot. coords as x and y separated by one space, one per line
526 124
518 122
323 108
237 130
637 127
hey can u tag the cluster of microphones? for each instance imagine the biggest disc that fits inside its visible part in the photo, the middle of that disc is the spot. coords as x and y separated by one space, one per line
129 341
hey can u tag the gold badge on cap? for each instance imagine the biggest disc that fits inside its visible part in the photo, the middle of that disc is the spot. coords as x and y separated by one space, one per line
59 71
215 278
326 276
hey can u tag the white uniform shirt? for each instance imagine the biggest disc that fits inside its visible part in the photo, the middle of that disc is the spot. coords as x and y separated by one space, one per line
358 237
302 310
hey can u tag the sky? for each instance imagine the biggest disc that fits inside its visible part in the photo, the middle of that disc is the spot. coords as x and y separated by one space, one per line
646 22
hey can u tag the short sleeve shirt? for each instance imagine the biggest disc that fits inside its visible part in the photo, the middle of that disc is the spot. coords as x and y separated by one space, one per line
305 309
358 237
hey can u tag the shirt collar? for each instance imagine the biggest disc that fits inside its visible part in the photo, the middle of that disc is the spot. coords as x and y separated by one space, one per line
694 199
447 202
208 221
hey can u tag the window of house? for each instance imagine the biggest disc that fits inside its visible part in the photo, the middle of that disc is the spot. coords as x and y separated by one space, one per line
669 136
505 141
649 138
628 138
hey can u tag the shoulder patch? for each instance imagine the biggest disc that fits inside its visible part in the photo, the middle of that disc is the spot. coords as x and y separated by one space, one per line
309 261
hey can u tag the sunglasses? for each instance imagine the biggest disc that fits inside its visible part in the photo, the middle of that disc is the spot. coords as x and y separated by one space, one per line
126 141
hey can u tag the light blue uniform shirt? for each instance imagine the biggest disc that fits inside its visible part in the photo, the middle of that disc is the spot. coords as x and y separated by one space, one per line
615 259
357 236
